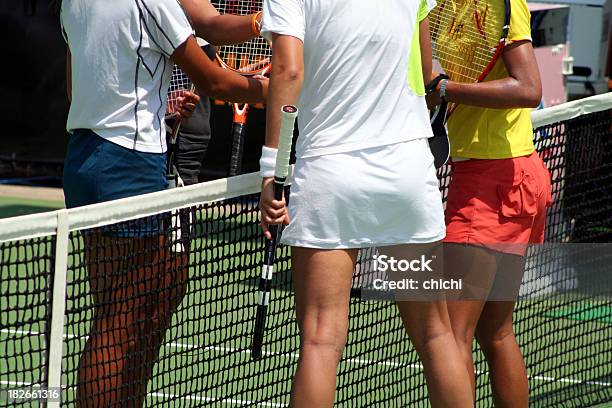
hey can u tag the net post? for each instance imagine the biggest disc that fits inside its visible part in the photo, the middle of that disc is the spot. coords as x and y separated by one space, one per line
58 309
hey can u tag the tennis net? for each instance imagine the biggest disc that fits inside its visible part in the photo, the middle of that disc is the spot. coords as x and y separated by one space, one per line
199 249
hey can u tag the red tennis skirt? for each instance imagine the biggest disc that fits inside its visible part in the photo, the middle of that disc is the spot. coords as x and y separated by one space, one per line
499 204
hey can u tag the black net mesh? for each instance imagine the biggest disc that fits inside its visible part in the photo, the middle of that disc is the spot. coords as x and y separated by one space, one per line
26 268
176 295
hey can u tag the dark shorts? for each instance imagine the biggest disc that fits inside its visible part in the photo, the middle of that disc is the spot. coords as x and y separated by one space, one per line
194 136
193 140
97 170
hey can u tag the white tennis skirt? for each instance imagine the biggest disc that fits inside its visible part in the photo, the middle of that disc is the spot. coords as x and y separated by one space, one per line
380 196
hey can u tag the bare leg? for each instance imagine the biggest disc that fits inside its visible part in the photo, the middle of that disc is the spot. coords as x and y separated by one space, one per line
477 267
496 338
429 328
489 321
136 284
322 283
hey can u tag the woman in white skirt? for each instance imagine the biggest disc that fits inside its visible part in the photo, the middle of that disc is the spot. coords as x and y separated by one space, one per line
364 175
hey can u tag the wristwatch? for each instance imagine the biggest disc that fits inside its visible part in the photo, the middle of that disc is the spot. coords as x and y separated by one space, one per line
441 79
443 84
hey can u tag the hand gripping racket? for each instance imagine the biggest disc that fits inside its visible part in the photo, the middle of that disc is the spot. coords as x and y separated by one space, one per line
468 37
288 115
179 83
249 59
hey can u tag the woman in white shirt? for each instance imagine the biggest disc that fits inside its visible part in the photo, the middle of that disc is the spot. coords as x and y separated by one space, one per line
364 175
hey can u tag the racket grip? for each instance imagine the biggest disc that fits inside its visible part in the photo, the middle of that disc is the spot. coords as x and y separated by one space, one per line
260 322
265 285
237 149
171 179
439 143
288 115
278 194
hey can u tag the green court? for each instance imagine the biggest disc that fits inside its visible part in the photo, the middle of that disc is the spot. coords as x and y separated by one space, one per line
15 206
206 357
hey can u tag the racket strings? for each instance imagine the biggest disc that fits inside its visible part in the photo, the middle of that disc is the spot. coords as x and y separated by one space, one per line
251 56
465 36
179 84
452 30
238 7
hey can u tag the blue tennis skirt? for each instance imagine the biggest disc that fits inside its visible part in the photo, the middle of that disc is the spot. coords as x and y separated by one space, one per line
96 170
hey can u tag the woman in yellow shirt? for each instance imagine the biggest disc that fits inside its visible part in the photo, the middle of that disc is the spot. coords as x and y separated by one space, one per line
496 205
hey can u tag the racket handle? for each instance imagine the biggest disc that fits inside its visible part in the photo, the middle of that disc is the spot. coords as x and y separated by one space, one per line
288 115
439 143
171 173
265 286
260 323
171 179
237 149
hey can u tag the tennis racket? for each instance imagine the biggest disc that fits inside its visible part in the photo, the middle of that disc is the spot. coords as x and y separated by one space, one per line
288 116
468 37
180 219
179 84
249 58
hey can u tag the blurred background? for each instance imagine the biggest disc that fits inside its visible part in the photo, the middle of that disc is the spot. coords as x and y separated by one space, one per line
572 39
33 137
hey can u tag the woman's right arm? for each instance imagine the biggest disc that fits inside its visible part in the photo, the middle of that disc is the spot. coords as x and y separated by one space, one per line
285 87
285 83
214 81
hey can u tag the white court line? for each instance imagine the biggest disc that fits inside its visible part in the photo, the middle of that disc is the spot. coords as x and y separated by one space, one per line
294 356
231 401
20 384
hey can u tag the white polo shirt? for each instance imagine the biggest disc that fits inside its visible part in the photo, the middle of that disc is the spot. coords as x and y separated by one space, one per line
121 67
358 58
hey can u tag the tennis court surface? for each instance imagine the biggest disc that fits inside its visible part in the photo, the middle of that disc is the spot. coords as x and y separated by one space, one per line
23 200
46 310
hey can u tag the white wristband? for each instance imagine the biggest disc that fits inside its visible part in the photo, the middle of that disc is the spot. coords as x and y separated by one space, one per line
267 163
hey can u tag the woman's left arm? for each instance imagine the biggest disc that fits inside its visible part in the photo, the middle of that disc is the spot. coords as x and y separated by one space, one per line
521 89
